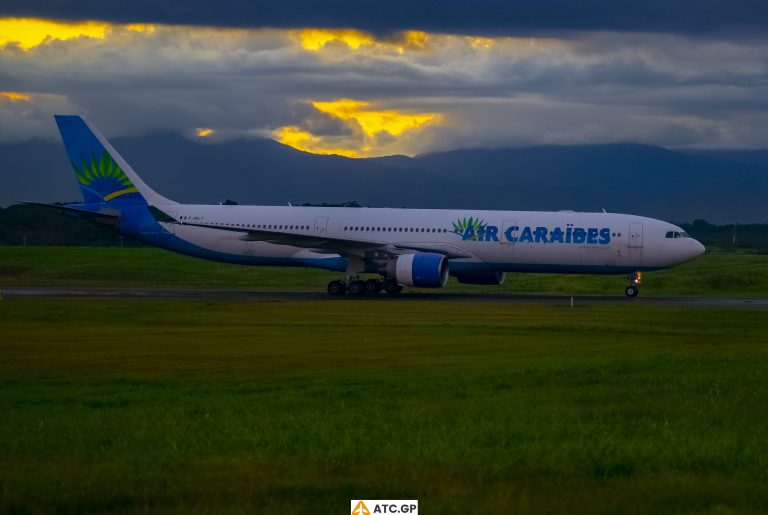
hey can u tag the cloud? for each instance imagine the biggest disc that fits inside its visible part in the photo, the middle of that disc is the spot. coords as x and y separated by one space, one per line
25 116
736 18
369 131
447 90
15 96
31 32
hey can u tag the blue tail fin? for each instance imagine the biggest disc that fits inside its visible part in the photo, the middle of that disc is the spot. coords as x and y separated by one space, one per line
103 175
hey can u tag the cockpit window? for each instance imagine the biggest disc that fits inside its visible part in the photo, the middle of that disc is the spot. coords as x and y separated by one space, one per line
676 234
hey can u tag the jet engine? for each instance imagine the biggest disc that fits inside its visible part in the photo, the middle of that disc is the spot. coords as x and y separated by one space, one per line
423 269
485 277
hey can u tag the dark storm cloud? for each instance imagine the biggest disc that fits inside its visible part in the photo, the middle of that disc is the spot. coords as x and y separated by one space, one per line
735 18
587 87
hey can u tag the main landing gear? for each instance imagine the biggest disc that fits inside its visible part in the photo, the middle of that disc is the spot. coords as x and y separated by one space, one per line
355 286
633 288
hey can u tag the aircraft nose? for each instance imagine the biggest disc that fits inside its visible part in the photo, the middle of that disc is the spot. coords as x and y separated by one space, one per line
697 249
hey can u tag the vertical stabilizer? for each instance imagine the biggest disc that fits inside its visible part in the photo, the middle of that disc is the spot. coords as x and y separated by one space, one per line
102 174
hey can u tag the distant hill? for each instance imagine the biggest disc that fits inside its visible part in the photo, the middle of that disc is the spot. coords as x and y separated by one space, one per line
750 157
631 178
718 186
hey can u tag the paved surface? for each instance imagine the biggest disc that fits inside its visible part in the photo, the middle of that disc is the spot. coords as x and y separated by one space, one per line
743 302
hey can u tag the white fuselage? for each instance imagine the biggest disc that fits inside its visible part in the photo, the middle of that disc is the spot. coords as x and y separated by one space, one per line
563 241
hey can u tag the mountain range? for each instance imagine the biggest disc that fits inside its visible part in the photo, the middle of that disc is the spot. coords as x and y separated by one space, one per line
720 186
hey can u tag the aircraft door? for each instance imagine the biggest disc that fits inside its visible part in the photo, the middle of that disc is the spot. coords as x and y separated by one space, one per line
321 224
508 225
506 248
635 235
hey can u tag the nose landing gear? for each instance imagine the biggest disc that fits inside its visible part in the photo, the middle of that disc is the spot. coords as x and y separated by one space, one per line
633 288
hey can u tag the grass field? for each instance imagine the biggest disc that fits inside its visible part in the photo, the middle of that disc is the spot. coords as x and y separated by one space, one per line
246 406
714 274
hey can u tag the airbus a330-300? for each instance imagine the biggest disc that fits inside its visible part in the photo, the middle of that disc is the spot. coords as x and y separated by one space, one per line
400 247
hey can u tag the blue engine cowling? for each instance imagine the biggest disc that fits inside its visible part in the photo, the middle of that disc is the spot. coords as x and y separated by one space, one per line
423 269
484 277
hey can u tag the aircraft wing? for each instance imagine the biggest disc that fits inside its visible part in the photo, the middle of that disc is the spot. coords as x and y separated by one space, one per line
306 241
448 250
292 239
348 246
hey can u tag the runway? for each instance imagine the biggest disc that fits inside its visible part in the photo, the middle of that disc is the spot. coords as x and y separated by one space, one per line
512 298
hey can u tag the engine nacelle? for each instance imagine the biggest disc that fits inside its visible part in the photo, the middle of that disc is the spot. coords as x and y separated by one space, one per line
423 269
485 277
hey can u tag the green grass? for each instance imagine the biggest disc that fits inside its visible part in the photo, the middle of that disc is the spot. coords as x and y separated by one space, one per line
187 406
715 273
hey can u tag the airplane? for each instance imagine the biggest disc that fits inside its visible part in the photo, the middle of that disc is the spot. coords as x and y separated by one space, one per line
401 247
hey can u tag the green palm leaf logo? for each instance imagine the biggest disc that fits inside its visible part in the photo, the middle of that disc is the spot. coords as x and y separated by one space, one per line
460 226
102 176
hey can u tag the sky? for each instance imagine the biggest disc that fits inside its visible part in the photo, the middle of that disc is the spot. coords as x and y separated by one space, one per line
362 79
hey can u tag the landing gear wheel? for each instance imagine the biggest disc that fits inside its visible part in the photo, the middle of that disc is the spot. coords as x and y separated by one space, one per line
373 286
357 288
391 287
336 288
632 291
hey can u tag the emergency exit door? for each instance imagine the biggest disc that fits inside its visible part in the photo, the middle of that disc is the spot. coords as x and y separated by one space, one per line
635 235
321 224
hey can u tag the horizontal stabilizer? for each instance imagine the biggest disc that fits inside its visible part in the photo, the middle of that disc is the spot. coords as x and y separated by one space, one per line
104 216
